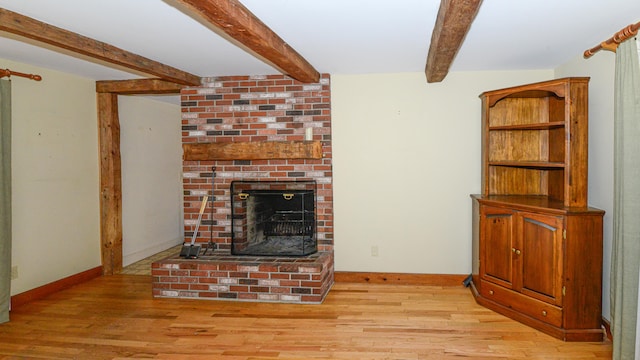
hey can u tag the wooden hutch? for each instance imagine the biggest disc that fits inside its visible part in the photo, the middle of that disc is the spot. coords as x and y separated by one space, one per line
537 246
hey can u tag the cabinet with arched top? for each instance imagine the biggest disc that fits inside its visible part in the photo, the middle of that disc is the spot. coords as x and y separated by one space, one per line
537 245
535 140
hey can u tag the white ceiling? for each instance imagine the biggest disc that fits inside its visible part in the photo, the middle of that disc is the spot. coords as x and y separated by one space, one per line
335 36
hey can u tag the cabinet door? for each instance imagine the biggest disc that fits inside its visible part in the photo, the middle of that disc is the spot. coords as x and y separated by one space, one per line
497 237
539 257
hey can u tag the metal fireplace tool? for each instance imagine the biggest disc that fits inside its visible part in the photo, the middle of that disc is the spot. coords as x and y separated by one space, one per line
211 245
192 251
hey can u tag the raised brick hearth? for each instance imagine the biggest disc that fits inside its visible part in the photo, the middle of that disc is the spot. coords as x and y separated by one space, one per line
256 109
223 277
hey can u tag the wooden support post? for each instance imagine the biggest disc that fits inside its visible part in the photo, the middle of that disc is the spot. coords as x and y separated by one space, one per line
110 184
452 24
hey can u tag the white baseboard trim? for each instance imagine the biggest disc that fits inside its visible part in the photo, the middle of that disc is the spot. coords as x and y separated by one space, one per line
128 259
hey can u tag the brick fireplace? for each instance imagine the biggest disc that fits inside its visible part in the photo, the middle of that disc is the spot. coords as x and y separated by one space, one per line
253 129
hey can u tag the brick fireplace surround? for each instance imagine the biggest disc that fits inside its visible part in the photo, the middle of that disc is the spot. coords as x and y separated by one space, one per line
251 109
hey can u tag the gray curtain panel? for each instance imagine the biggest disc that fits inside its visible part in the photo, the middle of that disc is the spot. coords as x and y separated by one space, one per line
625 255
5 199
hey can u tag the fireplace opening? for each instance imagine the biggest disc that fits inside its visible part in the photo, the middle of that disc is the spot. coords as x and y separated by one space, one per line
273 218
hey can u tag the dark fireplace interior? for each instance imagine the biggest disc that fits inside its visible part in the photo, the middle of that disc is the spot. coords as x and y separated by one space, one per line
273 218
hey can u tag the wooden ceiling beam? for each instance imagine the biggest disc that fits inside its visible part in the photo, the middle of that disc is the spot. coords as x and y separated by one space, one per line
27 27
235 20
453 23
138 87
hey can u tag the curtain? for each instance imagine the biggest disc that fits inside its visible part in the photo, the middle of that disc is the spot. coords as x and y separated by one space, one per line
625 256
5 199
638 320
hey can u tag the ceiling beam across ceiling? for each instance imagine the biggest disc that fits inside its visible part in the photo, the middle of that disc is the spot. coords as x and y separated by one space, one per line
234 19
138 87
452 24
27 27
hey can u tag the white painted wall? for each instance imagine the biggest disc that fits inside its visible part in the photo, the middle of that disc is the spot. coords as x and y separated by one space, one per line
601 69
56 186
406 157
151 151
56 220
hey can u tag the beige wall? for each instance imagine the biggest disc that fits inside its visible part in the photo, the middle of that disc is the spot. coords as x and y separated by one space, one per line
56 214
55 177
151 150
406 157
601 69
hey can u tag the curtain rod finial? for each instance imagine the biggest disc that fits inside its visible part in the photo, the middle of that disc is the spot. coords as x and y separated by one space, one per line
8 73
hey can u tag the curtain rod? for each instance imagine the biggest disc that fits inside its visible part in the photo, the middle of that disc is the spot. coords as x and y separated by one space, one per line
8 73
612 43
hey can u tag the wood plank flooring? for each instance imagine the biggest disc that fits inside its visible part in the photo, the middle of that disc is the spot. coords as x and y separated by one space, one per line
115 317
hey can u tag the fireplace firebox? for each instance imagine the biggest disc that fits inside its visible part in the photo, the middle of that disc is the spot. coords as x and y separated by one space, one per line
273 218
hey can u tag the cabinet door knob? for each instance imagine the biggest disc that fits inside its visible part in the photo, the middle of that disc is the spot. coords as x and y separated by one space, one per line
518 252
544 313
490 292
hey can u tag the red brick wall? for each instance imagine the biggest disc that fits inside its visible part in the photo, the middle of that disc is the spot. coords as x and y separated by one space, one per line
246 109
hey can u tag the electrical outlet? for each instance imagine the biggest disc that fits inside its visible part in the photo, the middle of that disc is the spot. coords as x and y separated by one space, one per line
374 251
14 272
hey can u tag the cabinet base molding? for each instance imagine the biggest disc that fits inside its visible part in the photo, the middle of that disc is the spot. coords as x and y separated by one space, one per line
591 335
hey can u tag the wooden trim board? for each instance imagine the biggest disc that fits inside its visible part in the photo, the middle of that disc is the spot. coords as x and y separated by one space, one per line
48 289
607 328
400 278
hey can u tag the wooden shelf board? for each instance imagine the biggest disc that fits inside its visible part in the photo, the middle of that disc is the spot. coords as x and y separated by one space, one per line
534 203
528 164
263 150
537 126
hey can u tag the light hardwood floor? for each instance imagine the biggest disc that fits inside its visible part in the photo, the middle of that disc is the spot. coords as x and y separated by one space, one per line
143 267
115 317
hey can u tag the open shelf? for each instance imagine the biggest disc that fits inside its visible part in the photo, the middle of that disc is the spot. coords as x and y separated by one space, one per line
535 140
538 126
529 164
